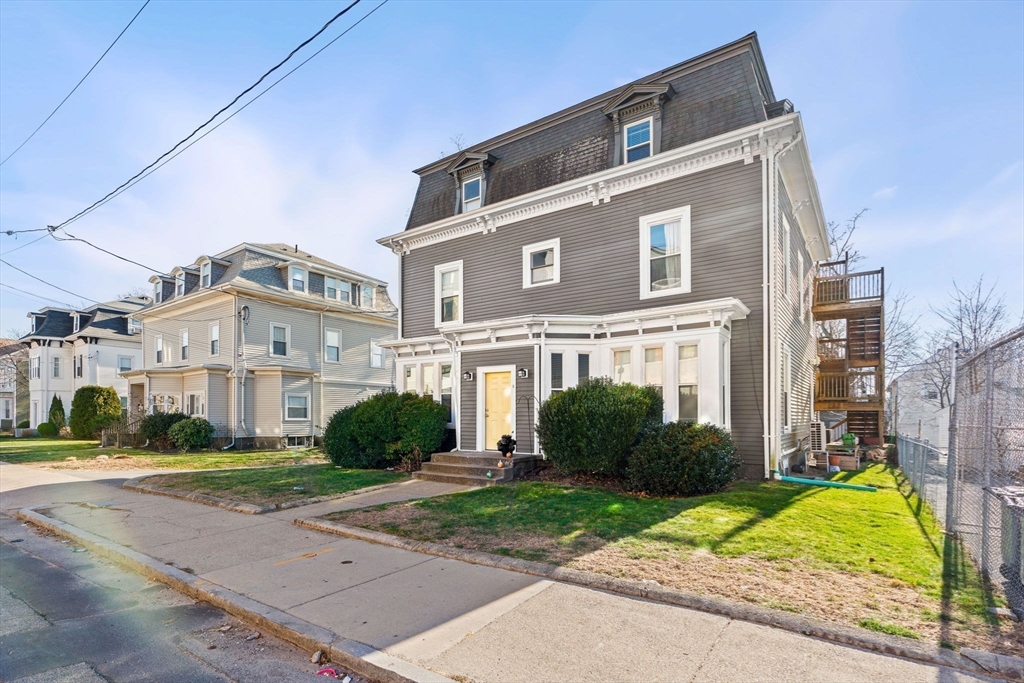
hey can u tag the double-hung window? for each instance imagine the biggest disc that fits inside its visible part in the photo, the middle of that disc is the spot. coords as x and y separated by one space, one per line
33 368
296 406
195 405
786 256
134 326
81 366
622 371
688 371
366 293
204 274
184 344
215 339
345 292
448 293
280 336
77 323
56 368
410 379
331 287
158 292
428 380
582 366
557 374
800 284
376 355
787 390
159 350
296 279
541 263
637 140
446 390
332 346
472 193
179 284
665 253
124 363
653 368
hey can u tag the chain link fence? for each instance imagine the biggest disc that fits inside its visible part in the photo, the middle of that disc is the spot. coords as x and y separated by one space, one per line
977 489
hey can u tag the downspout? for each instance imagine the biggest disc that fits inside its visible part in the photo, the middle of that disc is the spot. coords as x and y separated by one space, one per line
321 356
765 298
456 395
234 368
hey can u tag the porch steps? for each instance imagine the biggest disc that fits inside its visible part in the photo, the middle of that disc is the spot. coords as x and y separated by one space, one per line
471 468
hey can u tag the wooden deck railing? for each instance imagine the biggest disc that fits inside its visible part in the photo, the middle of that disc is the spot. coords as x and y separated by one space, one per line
850 287
831 350
853 386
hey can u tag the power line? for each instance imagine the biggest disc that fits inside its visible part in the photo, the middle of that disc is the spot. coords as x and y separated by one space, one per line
210 120
49 284
78 84
72 238
29 244
37 296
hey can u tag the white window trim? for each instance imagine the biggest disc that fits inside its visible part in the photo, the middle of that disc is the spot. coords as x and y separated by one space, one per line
611 364
205 270
664 365
801 288
210 350
287 341
309 406
202 403
444 268
78 323
481 396
701 389
340 346
305 280
373 296
787 288
787 388
158 292
462 192
58 366
179 284
530 249
134 326
158 350
625 139
184 344
682 214
131 363
383 352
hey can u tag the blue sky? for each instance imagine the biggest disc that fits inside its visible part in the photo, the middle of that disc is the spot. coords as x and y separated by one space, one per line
915 110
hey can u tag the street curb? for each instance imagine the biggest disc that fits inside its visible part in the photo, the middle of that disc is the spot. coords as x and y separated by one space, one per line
359 657
972 661
234 506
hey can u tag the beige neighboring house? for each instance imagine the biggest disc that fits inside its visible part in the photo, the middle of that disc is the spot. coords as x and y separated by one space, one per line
13 383
265 341
72 348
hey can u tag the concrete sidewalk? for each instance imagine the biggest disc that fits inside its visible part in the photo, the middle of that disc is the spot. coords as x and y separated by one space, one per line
461 620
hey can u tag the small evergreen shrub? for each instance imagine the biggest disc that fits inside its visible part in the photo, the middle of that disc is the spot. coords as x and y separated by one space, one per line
47 429
682 459
57 416
591 428
92 409
194 432
154 428
385 430
22 425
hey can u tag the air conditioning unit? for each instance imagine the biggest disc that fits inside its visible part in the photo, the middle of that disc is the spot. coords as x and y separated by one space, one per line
819 436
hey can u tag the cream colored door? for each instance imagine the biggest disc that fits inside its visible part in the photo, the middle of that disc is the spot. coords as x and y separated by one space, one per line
497 408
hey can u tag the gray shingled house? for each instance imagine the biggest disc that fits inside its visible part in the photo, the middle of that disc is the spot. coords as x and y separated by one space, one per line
265 341
663 233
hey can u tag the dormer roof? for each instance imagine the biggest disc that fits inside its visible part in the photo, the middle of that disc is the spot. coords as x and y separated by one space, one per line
465 160
635 94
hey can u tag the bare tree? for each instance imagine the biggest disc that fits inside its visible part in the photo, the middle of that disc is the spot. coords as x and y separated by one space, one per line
901 346
136 291
840 238
973 316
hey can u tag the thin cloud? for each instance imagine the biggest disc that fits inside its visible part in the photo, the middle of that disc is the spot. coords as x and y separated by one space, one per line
885 192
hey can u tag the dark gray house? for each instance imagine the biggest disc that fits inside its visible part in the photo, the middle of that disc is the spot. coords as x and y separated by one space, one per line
662 233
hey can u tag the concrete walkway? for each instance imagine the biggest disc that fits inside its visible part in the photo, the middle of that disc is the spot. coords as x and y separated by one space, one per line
461 620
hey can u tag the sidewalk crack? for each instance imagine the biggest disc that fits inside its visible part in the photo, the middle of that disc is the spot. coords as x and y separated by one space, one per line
707 655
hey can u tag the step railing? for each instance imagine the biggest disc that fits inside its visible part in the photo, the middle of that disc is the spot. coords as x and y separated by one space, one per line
849 287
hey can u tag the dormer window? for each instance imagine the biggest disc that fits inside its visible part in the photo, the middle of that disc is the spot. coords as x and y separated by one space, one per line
296 279
134 326
638 140
204 274
471 194
78 323
158 292
338 289
179 284
366 293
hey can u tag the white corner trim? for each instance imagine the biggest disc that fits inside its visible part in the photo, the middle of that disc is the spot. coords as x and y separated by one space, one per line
529 249
681 214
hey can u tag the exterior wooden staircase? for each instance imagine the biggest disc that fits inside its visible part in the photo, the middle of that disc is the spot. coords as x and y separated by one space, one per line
472 468
851 347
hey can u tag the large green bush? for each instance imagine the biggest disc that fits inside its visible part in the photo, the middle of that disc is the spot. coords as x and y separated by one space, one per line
57 416
682 459
154 428
591 428
47 429
22 425
92 409
385 430
195 432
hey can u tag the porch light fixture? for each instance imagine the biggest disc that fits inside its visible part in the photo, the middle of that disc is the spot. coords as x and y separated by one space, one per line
467 376
523 373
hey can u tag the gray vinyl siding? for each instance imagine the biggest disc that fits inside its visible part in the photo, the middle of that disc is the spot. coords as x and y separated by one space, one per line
193 383
338 396
355 352
165 384
197 321
521 357
793 334
218 407
298 384
600 261
267 401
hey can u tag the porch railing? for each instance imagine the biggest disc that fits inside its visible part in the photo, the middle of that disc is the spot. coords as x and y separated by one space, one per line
849 287
831 350
854 385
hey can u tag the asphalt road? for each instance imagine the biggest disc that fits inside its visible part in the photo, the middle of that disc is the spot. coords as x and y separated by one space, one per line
67 616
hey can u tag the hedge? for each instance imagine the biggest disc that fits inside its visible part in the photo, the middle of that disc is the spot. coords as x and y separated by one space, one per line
93 408
47 429
591 428
155 427
682 458
385 430
194 432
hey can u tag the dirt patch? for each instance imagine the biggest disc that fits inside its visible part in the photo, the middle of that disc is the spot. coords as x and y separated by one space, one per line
551 475
114 461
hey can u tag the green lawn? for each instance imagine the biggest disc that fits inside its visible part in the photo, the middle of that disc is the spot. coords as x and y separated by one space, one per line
55 452
873 558
275 484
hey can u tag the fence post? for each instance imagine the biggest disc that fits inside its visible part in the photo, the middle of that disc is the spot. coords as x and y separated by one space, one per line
952 445
986 462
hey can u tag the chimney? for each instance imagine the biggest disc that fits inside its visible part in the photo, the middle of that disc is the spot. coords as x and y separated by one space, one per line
296 249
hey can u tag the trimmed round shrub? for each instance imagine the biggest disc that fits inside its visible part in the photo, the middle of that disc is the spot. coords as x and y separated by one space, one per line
47 429
57 416
385 430
92 409
154 428
22 425
195 432
591 428
682 459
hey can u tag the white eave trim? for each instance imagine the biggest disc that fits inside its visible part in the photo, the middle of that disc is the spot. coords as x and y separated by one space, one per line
737 145
798 175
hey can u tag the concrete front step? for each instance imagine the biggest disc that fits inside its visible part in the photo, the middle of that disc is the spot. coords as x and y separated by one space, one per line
471 468
463 479
483 459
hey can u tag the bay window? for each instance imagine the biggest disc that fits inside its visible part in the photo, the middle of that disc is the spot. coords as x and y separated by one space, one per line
621 367
687 383
653 367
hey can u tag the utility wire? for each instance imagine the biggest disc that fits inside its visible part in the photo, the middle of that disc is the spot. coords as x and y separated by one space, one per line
28 244
36 296
219 124
78 84
210 120
49 284
72 238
